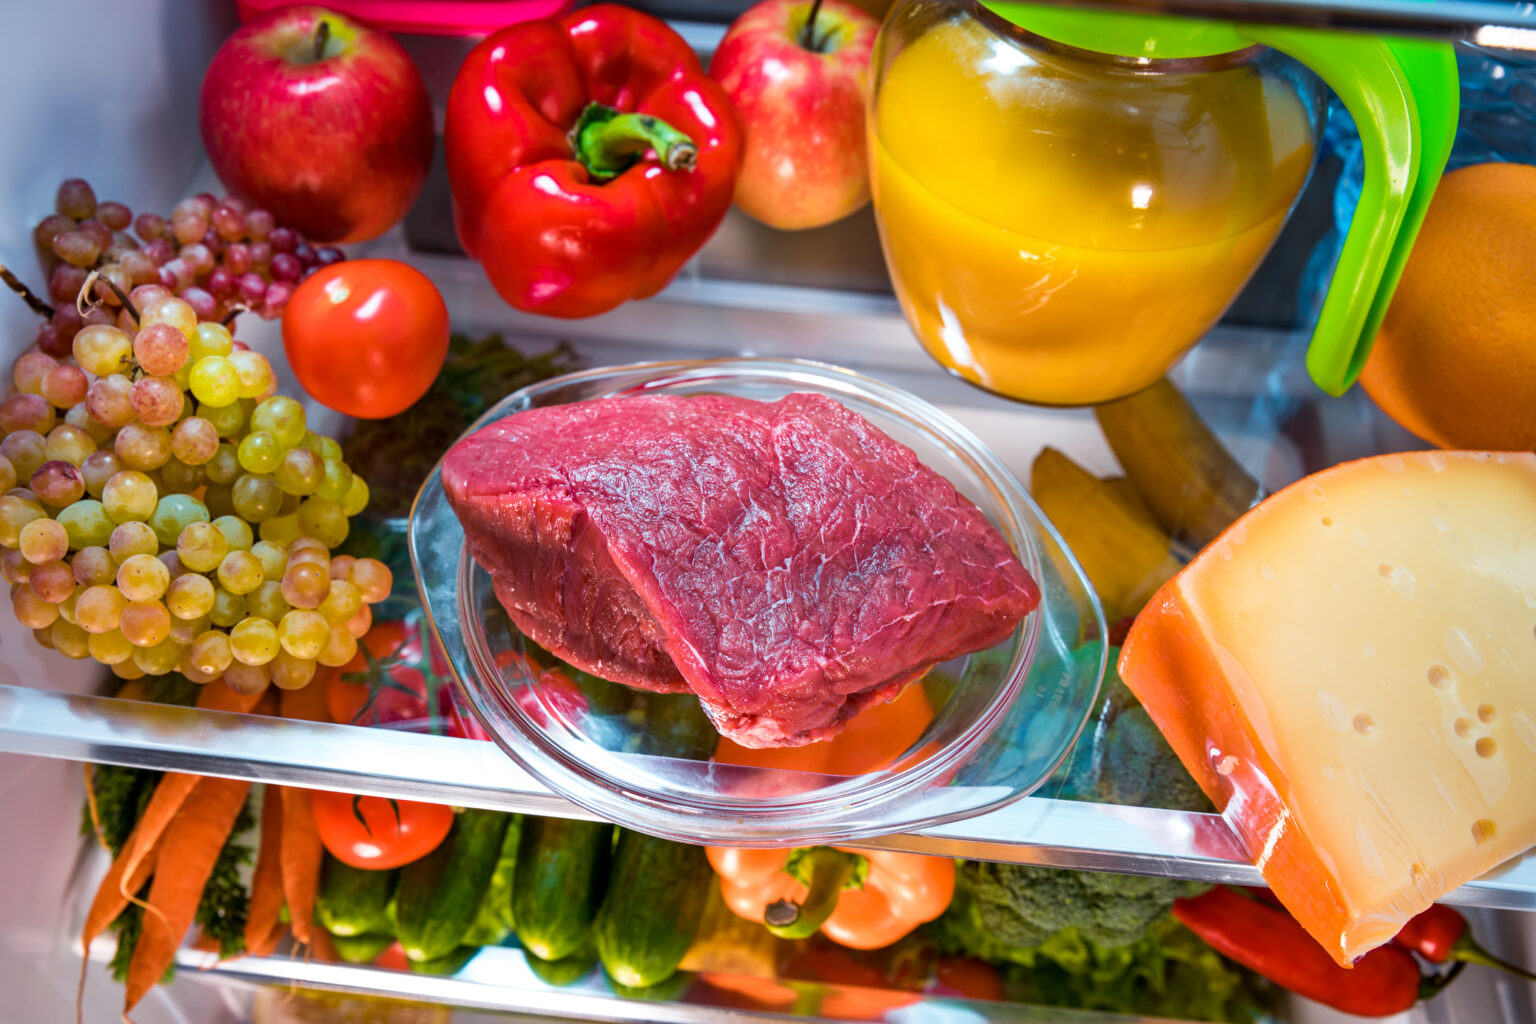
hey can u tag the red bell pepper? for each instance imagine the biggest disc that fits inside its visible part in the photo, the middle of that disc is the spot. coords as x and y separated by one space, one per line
589 158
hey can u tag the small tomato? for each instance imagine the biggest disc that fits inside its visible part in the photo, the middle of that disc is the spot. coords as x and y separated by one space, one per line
377 833
366 337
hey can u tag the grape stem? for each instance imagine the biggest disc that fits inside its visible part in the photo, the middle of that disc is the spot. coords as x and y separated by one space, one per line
28 296
235 310
122 296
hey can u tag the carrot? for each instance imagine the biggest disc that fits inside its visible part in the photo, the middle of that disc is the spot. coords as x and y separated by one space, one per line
190 846
300 857
170 794
217 696
301 848
262 927
109 902
307 704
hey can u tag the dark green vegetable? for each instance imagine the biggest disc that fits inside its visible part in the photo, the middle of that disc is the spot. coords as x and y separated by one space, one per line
450 963
656 895
395 454
675 726
494 922
561 876
665 991
440 894
361 949
353 901
567 970
1169 972
1086 940
1121 757
120 794
1020 906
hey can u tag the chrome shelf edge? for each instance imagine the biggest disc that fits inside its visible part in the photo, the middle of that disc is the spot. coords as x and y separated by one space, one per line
468 773
498 979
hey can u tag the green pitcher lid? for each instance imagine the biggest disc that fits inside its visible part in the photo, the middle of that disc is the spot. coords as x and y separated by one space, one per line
1123 34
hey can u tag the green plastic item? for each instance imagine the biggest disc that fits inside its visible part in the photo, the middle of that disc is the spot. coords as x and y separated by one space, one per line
1404 98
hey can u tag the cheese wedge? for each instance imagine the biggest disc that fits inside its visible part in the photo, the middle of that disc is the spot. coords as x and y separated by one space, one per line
1349 672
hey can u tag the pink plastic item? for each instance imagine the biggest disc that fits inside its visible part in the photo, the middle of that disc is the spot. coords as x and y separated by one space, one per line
428 17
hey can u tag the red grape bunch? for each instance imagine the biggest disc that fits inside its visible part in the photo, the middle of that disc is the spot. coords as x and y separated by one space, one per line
217 255
163 509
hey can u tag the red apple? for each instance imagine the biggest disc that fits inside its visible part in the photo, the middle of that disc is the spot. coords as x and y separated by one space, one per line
797 72
320 119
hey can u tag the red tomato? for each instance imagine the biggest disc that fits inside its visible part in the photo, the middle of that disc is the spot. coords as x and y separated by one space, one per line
366 337
377 833
394 691
393 958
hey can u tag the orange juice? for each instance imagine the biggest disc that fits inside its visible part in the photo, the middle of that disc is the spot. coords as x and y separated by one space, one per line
1061 228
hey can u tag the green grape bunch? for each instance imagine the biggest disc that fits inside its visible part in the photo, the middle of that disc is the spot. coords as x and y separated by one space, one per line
163 509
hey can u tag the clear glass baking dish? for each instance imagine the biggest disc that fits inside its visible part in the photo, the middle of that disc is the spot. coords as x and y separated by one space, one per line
1004 718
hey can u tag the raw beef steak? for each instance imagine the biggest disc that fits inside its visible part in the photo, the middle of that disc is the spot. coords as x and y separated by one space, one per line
786 561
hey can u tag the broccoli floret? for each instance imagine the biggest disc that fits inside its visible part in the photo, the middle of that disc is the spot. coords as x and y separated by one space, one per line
1019 907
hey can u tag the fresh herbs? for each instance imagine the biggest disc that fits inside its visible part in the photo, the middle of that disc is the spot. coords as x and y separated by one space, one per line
395 454
120 796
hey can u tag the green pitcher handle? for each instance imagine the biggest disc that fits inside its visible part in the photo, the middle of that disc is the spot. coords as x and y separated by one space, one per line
1367 77
1431 72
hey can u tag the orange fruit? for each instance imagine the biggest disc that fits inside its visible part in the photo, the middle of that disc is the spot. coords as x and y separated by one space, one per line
1455 362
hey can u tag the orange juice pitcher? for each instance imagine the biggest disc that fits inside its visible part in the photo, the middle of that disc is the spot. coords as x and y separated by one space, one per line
1068 201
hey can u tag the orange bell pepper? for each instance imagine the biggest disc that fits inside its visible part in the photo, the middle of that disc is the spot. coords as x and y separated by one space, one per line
872 740
900 891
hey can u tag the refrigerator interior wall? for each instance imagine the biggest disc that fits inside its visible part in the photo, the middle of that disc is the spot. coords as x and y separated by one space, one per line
109 92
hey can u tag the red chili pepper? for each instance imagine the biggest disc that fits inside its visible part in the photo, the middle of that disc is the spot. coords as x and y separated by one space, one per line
589 158
1441 933
1271 942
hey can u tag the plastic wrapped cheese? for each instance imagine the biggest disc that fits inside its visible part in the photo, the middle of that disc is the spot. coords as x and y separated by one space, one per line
1349 672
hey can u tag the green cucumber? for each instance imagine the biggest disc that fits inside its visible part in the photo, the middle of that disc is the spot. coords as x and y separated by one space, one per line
353 901
567 970
656 896
494 922
561 875
440 894
361 949
452 963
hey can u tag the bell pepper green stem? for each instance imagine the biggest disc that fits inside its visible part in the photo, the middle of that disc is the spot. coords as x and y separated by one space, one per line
607 142
829 873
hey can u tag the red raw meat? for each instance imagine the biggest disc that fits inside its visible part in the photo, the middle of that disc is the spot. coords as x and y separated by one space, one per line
786 561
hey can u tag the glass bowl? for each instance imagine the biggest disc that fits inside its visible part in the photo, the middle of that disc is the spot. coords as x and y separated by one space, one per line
1004 718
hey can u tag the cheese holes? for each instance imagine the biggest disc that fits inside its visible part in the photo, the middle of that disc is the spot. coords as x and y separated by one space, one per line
1483 830
1441 677
1486 747
1364 724
1463 727
1486 713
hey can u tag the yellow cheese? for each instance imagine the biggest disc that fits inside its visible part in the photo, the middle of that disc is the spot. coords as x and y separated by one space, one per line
1350 673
